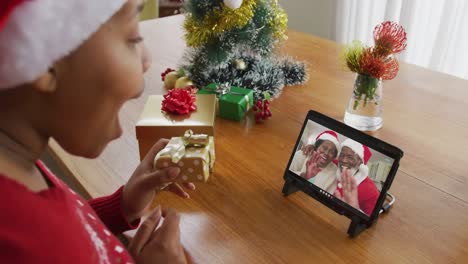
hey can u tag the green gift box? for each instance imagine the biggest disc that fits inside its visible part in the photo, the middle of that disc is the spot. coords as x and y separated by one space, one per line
233 102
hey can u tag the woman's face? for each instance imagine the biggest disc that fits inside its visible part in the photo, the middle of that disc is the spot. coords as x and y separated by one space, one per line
327 152
94 82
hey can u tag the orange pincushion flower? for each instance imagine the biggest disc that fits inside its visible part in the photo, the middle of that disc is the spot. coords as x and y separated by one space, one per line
377 62
374 65
390 38
391 68
371 64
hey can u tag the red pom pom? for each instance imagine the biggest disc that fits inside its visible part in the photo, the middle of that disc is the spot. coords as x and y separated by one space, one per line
163 74
179 101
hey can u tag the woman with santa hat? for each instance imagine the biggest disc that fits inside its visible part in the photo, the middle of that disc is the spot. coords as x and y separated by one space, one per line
66 69
353 185
318 167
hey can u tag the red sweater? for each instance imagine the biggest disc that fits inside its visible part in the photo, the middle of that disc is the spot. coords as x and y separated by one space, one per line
58 226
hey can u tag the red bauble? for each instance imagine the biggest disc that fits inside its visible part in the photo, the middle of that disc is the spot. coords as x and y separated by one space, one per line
262 110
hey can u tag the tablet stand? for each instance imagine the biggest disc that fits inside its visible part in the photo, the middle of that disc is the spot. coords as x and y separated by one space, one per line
355 228
289 186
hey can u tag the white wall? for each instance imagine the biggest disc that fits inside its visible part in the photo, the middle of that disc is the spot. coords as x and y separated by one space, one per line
315 17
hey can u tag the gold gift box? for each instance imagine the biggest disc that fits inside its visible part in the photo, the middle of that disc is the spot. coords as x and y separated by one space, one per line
193 154
155 124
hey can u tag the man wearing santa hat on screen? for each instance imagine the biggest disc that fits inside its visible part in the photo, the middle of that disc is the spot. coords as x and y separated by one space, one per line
353 185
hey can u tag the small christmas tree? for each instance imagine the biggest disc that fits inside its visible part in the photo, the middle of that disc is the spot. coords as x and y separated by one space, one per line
233 41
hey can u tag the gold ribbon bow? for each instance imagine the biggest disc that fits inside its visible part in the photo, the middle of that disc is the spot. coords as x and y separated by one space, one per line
176 147
193 140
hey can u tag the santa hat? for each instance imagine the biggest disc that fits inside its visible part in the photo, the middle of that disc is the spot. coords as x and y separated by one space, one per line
330 136
364 153
34 34
361 150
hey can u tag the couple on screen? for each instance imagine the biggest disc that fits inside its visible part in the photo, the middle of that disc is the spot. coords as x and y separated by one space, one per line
338 168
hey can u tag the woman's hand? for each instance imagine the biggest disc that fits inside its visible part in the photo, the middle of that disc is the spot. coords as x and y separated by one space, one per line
146 182
307 149
161 245
350 191
312 168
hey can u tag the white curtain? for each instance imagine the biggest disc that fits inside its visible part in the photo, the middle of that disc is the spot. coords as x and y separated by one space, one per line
437 30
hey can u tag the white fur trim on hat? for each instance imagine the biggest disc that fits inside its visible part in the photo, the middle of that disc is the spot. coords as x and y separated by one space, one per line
362 173
334 140
355 146
40 32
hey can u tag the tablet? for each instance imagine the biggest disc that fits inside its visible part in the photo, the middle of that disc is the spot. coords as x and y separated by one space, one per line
345 169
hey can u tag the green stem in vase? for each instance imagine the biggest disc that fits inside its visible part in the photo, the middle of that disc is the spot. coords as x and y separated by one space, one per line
364 85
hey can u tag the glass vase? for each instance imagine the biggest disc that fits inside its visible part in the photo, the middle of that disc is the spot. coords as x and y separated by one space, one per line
364 110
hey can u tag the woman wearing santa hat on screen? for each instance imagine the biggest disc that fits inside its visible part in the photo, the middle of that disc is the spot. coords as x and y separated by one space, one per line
66 69
353 185
319 168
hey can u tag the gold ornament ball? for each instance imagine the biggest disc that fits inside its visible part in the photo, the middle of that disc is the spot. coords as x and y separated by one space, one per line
183 82
240 65
170 80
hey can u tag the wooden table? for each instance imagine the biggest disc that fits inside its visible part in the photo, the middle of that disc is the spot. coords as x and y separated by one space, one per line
240 216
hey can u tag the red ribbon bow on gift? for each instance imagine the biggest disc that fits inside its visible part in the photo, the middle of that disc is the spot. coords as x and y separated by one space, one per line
179 101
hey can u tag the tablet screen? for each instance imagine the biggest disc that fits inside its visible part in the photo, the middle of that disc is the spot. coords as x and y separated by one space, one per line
347 169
